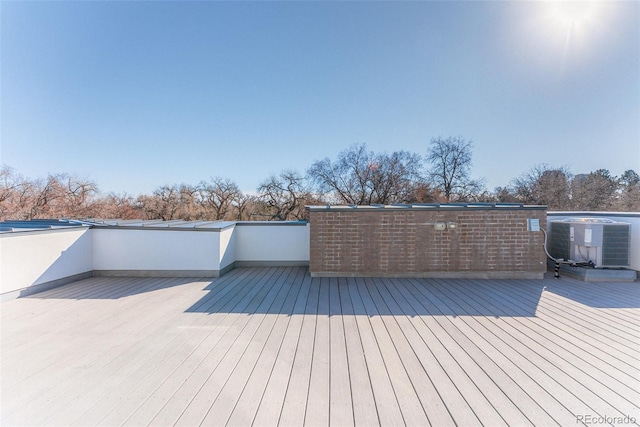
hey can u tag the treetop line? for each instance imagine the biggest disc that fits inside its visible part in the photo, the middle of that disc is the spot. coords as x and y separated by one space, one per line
357 176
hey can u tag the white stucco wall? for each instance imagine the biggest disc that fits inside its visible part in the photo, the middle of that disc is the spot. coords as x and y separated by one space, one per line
155 250
275 242
632 218
227 246
33 258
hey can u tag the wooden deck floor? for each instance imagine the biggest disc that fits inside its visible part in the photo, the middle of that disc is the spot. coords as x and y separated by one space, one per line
272 346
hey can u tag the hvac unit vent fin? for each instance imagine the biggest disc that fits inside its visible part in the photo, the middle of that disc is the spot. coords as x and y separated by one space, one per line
615 244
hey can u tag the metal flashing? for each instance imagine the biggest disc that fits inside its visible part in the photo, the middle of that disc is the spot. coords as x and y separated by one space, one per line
21 226
430 206
7 227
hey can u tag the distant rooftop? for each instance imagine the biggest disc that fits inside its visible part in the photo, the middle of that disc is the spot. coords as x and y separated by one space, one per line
177 224
131 224
39 224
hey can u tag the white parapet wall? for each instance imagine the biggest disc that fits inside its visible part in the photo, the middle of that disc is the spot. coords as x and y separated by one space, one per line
632 218
32 261
165 252
227 248
271 243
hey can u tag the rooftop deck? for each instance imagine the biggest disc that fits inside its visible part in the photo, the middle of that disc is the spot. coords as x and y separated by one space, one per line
273 346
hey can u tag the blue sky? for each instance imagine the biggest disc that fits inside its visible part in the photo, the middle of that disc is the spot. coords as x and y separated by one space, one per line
134 95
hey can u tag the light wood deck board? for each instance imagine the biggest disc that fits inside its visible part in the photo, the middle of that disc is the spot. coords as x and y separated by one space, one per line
70 375
431 401
500 388
224 358
363 401
607 360
540 369
436 369
506 365
612 299
340 401
387 405
184 339
238 380
273 346
516 361
295 402
318 403
599 294
173 391
617 319
614 359
573 376
135 394
563 307
272 400
412 408
463 369
245 407
572 324
37 317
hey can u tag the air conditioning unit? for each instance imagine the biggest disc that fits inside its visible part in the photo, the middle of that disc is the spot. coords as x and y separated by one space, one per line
602 241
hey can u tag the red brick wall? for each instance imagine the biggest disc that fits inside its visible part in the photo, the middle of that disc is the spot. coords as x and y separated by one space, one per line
491 242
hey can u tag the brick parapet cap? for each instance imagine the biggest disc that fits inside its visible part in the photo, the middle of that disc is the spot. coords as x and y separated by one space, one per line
425 207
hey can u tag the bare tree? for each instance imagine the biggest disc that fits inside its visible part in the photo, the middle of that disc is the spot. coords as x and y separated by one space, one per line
362 177
284 196
22 200
450 166
11 186
163 204
504 195
244 206
9 181
190 206
79 197
396 177
554 187
120 206
628 199
595 191
346 178
358 176
218 197
43 195
59 195
423 192
543 185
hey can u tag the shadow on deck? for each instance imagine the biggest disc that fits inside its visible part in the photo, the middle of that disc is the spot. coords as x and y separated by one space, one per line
292 291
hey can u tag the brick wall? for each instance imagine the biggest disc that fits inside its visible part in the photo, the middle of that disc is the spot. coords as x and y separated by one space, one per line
486 242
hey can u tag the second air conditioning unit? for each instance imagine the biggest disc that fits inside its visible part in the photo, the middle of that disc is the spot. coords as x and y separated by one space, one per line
602 241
